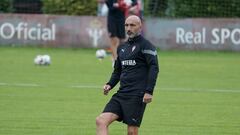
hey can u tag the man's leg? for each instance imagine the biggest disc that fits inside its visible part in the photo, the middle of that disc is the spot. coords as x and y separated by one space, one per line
132 130
114 44
103 121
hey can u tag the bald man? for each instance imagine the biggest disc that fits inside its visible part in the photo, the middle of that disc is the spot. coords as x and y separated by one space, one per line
136 67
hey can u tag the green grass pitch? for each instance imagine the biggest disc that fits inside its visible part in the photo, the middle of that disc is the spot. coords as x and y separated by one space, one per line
197 93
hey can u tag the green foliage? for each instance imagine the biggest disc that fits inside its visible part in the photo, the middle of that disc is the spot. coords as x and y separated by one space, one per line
5 6
70 7
155 7
197 8
210 8
158 8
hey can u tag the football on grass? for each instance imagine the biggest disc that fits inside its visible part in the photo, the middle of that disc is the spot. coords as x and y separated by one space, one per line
101 53
42 60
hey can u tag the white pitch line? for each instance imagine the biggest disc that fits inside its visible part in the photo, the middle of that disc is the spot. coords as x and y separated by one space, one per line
198 90
169 89
86 86
166 89
26 85
3 84
20 84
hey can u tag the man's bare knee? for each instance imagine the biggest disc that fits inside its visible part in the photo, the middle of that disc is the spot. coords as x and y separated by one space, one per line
101 122
105 119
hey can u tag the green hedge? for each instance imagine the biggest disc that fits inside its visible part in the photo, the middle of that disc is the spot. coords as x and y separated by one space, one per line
194 8
162 8
5 6
207 8
70 7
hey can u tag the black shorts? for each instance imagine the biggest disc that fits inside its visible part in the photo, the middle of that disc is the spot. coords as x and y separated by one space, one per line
130 109
116 28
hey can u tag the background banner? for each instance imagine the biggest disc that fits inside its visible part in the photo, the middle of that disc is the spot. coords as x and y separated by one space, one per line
91 32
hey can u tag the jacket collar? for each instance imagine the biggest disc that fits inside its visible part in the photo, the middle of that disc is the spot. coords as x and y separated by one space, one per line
134 39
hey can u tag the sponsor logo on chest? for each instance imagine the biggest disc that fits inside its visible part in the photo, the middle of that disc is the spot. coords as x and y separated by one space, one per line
128 62
133 48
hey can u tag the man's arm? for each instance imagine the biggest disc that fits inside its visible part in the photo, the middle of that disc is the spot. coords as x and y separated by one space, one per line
150 54
114 78
116 73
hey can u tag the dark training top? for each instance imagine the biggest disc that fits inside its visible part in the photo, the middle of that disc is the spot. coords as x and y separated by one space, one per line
136 67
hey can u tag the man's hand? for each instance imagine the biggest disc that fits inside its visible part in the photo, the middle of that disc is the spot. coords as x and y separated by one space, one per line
116 5
147 98
106 89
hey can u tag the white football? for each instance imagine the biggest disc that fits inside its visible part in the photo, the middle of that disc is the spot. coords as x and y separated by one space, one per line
42 60
101 53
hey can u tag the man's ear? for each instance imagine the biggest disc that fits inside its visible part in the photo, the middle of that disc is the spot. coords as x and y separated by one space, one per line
140 29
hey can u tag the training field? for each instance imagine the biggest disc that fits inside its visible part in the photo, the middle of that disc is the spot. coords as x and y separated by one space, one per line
197 93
